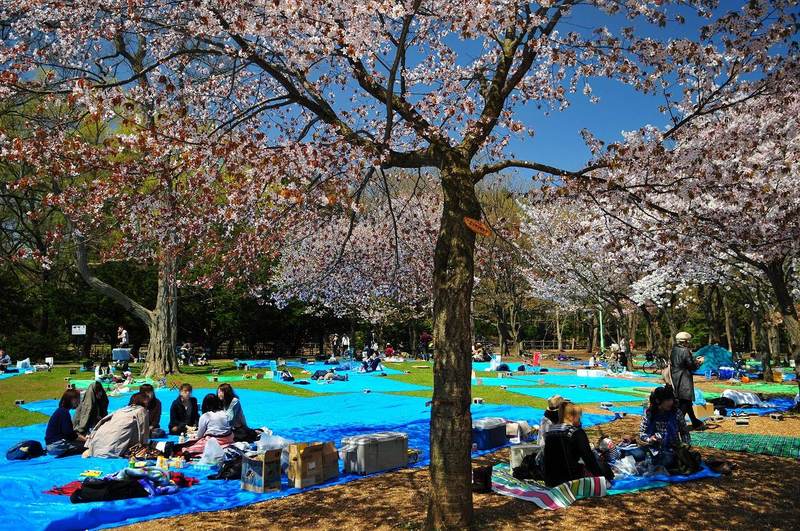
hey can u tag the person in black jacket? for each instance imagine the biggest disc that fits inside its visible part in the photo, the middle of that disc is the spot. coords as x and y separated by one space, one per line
183 411
565 446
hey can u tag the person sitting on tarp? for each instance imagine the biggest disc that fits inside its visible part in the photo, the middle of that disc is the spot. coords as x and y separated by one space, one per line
662 428
567 454
183 411
5 360
331 376
332 360
550 417
61 438
213 423
233 408
93 407
115 434
372 364
104 372
285 375
88 366
154 411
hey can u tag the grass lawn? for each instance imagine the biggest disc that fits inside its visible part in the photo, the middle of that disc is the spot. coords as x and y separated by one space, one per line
47 385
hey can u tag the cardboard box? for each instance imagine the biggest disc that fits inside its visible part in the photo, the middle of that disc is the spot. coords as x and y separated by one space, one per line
330 461
703 412
305 465
262 472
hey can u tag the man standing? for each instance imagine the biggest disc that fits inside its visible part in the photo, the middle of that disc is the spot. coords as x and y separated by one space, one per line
682 366
122 337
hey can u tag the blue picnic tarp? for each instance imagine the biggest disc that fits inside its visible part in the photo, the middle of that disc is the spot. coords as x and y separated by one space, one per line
328 417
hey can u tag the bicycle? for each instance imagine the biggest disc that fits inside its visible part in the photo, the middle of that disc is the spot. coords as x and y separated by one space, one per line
654 364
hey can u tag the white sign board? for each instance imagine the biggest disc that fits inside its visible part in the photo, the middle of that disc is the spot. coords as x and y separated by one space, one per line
78 330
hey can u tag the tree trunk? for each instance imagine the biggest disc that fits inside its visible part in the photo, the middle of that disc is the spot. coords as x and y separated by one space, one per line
558 331
762 346
753 336
502 338
163 327
786 307
450 502
162 322
731 340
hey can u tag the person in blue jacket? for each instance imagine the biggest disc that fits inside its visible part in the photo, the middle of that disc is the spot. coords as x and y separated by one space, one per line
60 437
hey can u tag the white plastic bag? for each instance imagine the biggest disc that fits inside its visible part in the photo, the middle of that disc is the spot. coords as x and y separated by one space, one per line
213 452
625 466
267 441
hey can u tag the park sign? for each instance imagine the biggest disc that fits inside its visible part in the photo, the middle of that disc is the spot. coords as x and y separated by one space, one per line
477 226
78 330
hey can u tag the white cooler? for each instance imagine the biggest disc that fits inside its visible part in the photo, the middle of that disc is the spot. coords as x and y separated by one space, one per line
375 452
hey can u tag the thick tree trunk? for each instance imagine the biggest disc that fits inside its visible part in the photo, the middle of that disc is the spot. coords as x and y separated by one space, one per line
163 327
788 310
450 502
162 322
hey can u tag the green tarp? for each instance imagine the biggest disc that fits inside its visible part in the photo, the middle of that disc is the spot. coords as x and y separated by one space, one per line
750 443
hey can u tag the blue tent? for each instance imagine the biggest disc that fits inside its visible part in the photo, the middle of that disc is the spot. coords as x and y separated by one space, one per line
715 357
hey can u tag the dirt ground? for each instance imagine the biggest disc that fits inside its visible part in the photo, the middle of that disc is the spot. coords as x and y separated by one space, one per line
762 493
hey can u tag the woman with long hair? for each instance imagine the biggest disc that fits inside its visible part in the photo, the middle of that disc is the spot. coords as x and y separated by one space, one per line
233 408
61 438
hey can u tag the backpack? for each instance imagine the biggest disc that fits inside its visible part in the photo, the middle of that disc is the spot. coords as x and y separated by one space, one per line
94 490
229 470
528 469
687 461
25 450
482 479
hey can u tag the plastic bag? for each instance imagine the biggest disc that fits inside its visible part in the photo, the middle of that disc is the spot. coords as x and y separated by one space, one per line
266 441
212 453
624 467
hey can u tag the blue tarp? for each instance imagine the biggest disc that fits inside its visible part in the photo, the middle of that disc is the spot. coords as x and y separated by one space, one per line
715 357
625 484
358 383
329 417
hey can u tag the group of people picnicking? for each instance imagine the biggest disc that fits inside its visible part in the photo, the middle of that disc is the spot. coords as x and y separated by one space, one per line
662 443
93 432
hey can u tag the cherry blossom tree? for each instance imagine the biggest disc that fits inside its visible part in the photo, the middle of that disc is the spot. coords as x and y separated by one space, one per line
379 84
723 195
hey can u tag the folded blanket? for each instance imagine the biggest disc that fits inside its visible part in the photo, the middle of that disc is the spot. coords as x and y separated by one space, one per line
560 497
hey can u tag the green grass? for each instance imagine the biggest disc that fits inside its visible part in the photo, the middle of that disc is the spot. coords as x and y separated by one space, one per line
50 385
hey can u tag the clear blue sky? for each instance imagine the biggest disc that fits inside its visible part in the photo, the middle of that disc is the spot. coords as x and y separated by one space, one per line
557 140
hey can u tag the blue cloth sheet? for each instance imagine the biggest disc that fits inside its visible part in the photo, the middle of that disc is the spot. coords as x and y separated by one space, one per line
329 417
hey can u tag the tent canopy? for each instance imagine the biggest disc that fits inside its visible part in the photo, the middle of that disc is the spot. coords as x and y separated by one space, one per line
715 357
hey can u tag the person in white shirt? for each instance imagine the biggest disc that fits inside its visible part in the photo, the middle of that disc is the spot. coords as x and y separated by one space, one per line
213 423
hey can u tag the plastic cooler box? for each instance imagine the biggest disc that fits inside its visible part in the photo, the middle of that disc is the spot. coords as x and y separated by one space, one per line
489 433
376 452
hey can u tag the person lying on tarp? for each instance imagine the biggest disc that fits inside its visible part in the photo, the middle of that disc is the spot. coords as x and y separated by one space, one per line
662 428
183 411
61 438
329 375
567 454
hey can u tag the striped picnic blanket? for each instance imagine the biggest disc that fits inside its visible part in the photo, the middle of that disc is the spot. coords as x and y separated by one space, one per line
560 497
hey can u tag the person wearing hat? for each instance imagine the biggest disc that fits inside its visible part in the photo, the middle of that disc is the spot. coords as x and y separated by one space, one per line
550 417
682 366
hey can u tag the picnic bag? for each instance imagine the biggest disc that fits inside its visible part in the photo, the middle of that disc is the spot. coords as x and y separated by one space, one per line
482 479
25 450
687 461
94 490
